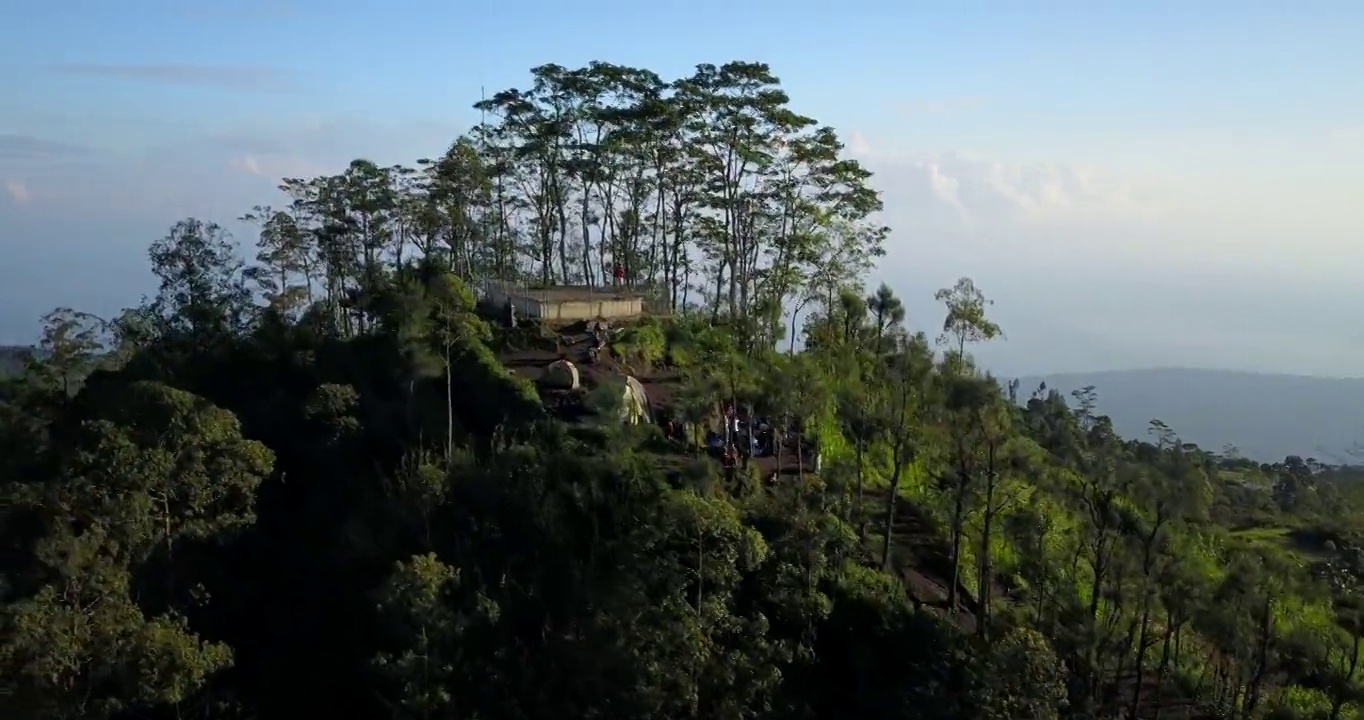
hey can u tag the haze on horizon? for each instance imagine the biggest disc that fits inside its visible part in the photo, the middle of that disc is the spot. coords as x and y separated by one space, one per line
1157 185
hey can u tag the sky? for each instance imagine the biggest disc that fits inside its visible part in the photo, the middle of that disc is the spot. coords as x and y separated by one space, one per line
1135 184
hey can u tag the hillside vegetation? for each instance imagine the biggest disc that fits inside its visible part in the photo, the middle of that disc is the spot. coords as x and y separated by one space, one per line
12 359
326 482
1261 416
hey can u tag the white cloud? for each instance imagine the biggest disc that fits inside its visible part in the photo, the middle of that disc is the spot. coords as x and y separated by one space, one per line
1093 268
246 164
946 190
1298 225
18 192
858 146
990 191
278 167
994 193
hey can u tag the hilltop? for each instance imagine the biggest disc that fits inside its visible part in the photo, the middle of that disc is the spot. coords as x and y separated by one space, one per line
1265 416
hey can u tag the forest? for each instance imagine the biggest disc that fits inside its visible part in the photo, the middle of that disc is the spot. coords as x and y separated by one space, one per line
316 474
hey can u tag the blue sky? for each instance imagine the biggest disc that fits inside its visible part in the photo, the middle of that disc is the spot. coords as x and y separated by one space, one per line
1138 183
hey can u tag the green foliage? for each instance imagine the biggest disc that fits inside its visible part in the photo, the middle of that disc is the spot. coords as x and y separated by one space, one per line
1029 678
87 650
151 471
1299 702
607 400
432 617
641 344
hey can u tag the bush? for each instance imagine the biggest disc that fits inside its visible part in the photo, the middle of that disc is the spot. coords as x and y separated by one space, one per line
643 343
1299 702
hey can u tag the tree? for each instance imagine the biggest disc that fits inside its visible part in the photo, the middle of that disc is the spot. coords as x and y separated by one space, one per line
285 258
159 465
861 413
967 400
434 616
1344 575
906 376
81 648
992 435
453 324
72 343
152 467
1028 678
887 312
1178 490
202 289
966 322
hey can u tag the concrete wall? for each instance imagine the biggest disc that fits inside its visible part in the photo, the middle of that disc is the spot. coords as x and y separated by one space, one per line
587 309
493 295
527 305
496 297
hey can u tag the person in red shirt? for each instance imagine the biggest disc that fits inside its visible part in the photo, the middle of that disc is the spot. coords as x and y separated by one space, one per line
618 273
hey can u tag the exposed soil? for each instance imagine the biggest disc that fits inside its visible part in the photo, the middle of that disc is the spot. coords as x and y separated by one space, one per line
539 345
920 548
572 343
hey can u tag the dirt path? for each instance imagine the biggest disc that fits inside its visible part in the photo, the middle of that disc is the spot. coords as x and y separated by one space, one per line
919 549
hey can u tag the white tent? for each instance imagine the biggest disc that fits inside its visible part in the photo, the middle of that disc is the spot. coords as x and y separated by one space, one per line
635 402
561 374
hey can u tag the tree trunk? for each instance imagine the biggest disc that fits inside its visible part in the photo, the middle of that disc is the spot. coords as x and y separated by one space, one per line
858 506
1261 658
1147 568
1164 667
958 512
795 314
449 408
890 515
983 579
1141 652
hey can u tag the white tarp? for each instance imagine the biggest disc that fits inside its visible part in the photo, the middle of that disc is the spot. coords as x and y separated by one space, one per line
561 374
635 402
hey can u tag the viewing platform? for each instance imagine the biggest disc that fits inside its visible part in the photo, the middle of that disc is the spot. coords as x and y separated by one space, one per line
564 303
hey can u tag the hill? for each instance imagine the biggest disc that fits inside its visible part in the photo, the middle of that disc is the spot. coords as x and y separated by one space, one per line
1265 416
360 497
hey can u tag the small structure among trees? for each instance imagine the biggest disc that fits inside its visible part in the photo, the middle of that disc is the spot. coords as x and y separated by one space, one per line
564 302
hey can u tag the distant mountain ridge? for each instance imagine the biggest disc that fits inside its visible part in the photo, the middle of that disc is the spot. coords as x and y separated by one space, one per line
1265 416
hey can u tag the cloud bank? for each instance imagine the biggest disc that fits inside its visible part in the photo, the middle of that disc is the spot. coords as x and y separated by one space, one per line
1096 270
